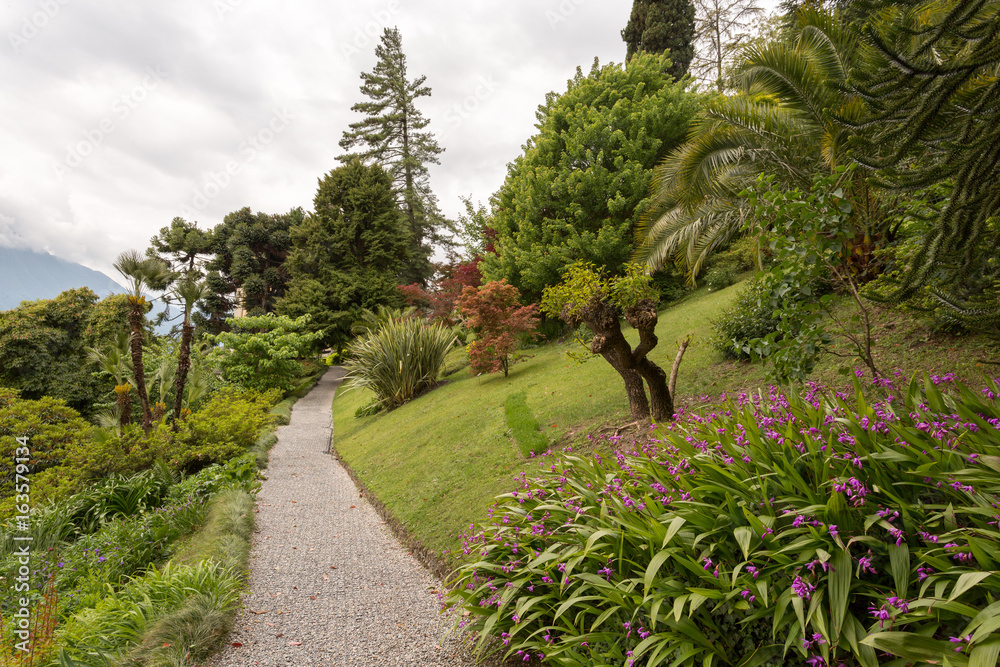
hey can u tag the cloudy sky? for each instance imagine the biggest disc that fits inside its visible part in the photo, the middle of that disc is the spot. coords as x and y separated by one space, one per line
119 116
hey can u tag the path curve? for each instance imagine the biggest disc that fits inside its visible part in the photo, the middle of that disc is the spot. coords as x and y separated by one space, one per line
329 583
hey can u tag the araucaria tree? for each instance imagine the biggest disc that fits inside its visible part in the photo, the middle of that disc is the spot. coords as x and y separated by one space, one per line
348 253
658 25
579 189
495 313
587 297
393 135
248 269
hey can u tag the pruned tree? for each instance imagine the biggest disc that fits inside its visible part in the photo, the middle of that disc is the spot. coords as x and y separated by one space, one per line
393 135
188 291
722 27
587 297
656 26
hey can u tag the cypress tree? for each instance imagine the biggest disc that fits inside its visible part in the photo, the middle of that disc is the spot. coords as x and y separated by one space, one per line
393 136
658 25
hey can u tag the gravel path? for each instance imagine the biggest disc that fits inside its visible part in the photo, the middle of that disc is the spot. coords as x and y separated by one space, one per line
329 583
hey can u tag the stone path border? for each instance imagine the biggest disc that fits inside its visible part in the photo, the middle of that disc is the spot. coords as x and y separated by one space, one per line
329 583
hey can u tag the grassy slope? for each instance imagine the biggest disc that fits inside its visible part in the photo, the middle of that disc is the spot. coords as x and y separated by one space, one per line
438 462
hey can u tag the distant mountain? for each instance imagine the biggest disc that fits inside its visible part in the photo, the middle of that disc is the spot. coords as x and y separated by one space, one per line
27 275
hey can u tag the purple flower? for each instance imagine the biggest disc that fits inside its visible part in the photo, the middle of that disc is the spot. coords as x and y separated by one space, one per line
832 528
802 588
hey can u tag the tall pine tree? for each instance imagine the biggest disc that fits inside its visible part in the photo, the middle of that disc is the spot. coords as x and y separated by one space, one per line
658 25
393 136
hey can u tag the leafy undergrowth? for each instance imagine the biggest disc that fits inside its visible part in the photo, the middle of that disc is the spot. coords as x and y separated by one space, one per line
438 462
778 529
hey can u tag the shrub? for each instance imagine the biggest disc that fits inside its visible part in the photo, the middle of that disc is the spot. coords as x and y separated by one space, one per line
399 360
721 275
226 426
819 528
261 352
743 321
51 427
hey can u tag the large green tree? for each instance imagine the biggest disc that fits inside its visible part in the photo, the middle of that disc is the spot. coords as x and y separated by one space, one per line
182 245
43 346
247 269
656 26
578 190
393 135
348 253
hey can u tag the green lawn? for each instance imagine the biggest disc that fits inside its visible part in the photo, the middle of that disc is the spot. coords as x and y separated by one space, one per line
438 462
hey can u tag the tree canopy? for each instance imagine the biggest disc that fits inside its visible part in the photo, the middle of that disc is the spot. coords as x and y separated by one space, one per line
348 254
578 190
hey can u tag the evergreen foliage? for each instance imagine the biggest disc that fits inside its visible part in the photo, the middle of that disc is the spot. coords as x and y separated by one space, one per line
578 190
182 245
247 269
656 26
43 346
393 135
348 254
930 86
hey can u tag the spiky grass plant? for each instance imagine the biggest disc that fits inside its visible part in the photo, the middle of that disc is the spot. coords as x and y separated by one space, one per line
399 360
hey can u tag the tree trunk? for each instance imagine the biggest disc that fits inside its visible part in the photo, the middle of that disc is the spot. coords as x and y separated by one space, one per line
135 317
661 402
183 366
123 396
611 344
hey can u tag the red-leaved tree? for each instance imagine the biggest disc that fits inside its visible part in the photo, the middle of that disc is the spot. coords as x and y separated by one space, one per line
438 302
495 313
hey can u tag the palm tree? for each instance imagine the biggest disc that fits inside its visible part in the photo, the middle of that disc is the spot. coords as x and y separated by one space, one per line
780 121
141 273
189 290
113 360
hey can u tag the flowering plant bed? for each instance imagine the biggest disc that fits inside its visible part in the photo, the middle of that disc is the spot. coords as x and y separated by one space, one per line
823 527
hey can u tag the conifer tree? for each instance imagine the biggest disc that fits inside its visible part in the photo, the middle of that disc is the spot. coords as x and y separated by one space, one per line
658 25
347 254
393 135
930 86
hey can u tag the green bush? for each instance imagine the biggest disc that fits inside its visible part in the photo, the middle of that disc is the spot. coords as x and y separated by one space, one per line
262 352
743 321
826 527
226 426
721 275
52 429
399 360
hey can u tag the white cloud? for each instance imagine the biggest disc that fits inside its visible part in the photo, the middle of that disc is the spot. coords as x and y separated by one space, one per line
80 82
